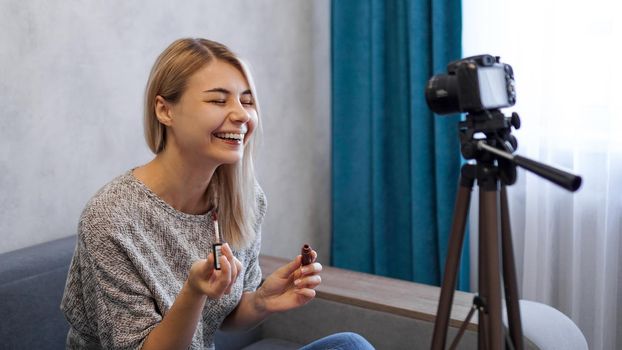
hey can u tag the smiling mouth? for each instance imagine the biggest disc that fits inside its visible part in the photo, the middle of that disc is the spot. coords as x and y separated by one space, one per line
230 137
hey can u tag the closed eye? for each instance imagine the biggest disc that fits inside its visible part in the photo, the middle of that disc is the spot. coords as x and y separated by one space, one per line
217 102
247 98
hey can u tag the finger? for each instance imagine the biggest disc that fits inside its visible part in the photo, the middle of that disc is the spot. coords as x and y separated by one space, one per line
203 269
238 265
232 261
314 254
236 268
226 251
308 282
306 293
208 266
222 277
311 269
286 270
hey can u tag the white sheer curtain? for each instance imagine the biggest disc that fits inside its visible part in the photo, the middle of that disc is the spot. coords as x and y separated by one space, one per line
566 60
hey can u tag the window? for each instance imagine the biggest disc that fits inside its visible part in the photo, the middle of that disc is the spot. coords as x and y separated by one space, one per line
565 57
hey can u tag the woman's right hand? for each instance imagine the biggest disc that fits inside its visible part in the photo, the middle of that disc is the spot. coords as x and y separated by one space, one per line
176 329
203 279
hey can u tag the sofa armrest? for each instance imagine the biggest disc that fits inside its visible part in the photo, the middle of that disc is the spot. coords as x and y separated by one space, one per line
383 294
390 313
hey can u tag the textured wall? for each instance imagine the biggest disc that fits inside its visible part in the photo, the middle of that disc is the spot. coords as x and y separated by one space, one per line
72 75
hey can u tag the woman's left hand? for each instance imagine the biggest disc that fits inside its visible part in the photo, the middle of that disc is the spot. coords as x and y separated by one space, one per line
290 286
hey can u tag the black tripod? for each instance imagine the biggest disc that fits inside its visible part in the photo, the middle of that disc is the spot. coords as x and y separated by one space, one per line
494 168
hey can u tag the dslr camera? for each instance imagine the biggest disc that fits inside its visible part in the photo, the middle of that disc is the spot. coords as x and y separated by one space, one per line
472 85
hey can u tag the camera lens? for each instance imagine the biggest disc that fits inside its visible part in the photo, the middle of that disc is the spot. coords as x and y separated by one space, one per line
441 94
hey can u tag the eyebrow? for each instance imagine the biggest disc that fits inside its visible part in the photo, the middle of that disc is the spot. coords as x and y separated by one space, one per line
225 91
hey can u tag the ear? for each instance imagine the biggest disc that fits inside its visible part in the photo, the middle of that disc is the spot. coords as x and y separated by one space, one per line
163 111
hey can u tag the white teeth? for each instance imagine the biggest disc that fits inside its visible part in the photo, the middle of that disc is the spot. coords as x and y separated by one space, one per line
233 136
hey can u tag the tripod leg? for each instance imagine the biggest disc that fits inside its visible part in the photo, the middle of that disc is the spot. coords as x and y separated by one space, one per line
491 294
509 275
482 288
451 265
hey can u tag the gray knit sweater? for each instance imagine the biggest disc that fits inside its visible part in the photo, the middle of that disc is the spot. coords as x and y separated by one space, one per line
133 255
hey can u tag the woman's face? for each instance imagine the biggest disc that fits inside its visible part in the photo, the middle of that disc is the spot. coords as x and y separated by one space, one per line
215 116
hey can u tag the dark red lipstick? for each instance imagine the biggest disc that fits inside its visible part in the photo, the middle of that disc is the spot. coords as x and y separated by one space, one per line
307 257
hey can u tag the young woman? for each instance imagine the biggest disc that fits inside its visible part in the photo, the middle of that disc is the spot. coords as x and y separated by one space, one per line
143 273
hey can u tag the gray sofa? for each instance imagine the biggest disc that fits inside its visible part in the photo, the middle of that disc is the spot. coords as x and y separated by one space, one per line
391 314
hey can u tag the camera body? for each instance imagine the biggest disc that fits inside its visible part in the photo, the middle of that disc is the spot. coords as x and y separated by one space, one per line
472 85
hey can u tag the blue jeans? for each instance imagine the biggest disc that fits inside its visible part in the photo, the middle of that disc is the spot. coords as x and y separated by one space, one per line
340 341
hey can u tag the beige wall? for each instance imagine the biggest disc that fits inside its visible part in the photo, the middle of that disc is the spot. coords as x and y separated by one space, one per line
72 76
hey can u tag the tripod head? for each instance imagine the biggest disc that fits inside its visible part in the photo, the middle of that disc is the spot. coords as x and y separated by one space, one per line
480 86
486 137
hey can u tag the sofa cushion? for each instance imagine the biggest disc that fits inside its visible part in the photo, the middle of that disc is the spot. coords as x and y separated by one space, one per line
32 281
31 261
31 317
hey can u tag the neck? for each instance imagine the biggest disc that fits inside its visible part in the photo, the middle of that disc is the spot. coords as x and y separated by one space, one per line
180 182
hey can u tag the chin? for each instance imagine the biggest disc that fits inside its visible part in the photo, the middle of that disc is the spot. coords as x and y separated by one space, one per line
230 160
223 156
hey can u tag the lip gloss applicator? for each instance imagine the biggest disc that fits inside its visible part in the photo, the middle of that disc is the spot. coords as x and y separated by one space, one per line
217 246
307 257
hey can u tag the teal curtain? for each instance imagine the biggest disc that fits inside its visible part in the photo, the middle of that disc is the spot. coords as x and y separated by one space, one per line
395 165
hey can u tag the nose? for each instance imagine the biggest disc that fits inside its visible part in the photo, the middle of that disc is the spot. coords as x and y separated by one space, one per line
239 114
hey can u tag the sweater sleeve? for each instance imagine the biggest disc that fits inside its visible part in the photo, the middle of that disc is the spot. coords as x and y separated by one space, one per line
115 296
253 276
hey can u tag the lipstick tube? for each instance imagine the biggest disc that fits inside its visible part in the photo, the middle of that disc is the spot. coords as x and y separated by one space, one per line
307 257
217 246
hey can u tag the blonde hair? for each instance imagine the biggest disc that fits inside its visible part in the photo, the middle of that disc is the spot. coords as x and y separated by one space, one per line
233 187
